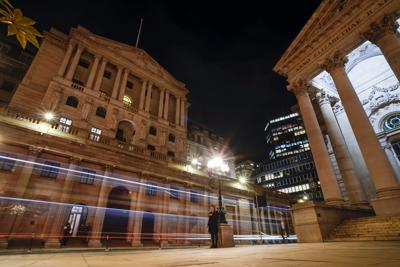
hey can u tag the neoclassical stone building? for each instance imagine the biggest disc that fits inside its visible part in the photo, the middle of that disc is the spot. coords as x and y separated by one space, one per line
344 69
95 135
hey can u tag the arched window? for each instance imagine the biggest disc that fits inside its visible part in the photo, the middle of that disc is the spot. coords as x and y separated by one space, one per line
153 130
171 138
392 122
127 101
101 112
72 101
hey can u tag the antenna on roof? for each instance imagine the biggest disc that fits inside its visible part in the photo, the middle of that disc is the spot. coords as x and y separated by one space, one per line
139 33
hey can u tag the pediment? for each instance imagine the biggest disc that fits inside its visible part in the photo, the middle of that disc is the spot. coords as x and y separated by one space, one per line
130 53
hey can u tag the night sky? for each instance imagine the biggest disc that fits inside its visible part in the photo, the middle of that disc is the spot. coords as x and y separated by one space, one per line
223 51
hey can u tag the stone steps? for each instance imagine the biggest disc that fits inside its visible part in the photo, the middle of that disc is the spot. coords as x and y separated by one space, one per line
367 228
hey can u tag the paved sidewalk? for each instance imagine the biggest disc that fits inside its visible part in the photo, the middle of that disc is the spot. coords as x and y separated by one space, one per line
316 254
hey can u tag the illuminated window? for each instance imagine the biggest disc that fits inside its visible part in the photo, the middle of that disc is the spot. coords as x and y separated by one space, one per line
127 101
65 124
95 134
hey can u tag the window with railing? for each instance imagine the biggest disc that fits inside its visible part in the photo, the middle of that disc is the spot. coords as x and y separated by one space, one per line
50 169
87 176
7 162
65 124
95 134
174 192
151 189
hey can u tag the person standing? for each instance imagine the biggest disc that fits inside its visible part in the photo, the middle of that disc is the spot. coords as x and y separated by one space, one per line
213 226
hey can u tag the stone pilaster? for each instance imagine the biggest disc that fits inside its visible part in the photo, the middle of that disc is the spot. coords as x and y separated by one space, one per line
177 110
161 103
350 179
122 88
137 226
142 95
74 63
67 57
59 217
387 188
93 70
148 96
182 119
323 165
117 84
100 74
100 210
166 105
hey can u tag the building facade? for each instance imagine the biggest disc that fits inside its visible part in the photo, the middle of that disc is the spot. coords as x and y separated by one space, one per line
290 167
345 61
203 145
14 62
95 136
245 169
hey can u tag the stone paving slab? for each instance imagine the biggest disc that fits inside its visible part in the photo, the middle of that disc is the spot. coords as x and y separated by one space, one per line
315 254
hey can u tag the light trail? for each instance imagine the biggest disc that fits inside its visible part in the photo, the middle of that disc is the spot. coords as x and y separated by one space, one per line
129 182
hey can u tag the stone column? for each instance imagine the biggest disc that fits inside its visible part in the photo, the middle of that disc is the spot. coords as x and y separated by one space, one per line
67 56
182 112
97 228
166 105
387 189
123 85
384 34
350 179
177 110
100 74
161 103
93 70
117 84
60 214
137 226
7 224
142 95
74 63
187 213
326 174
86 109
165 219
148 96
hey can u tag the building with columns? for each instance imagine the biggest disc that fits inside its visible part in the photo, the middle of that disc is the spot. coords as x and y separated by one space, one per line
344 69
95 135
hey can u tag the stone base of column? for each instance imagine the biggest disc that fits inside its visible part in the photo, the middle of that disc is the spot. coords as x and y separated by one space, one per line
52 243
225 236
95 243
136 243
387 202
314 221
335 202
3 243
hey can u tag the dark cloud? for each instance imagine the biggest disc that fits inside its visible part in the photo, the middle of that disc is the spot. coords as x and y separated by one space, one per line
223 51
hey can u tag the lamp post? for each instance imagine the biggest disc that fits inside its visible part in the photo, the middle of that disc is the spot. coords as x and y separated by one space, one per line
214 166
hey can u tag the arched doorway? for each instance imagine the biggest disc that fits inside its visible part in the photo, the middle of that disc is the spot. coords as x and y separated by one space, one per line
125 132
117 213
147 228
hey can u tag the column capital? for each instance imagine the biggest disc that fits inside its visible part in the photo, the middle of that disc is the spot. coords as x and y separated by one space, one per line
337 60
298 87
80 47
322 97
386 25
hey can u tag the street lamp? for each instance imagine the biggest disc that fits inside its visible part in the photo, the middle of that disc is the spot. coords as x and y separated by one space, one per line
48 116
216 165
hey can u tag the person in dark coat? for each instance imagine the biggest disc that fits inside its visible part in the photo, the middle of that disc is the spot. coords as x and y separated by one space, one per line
66 233
213 226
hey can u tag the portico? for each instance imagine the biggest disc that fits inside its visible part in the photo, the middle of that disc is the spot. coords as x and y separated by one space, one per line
347 55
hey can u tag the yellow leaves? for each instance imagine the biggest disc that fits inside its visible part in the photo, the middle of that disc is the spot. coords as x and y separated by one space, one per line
18 25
